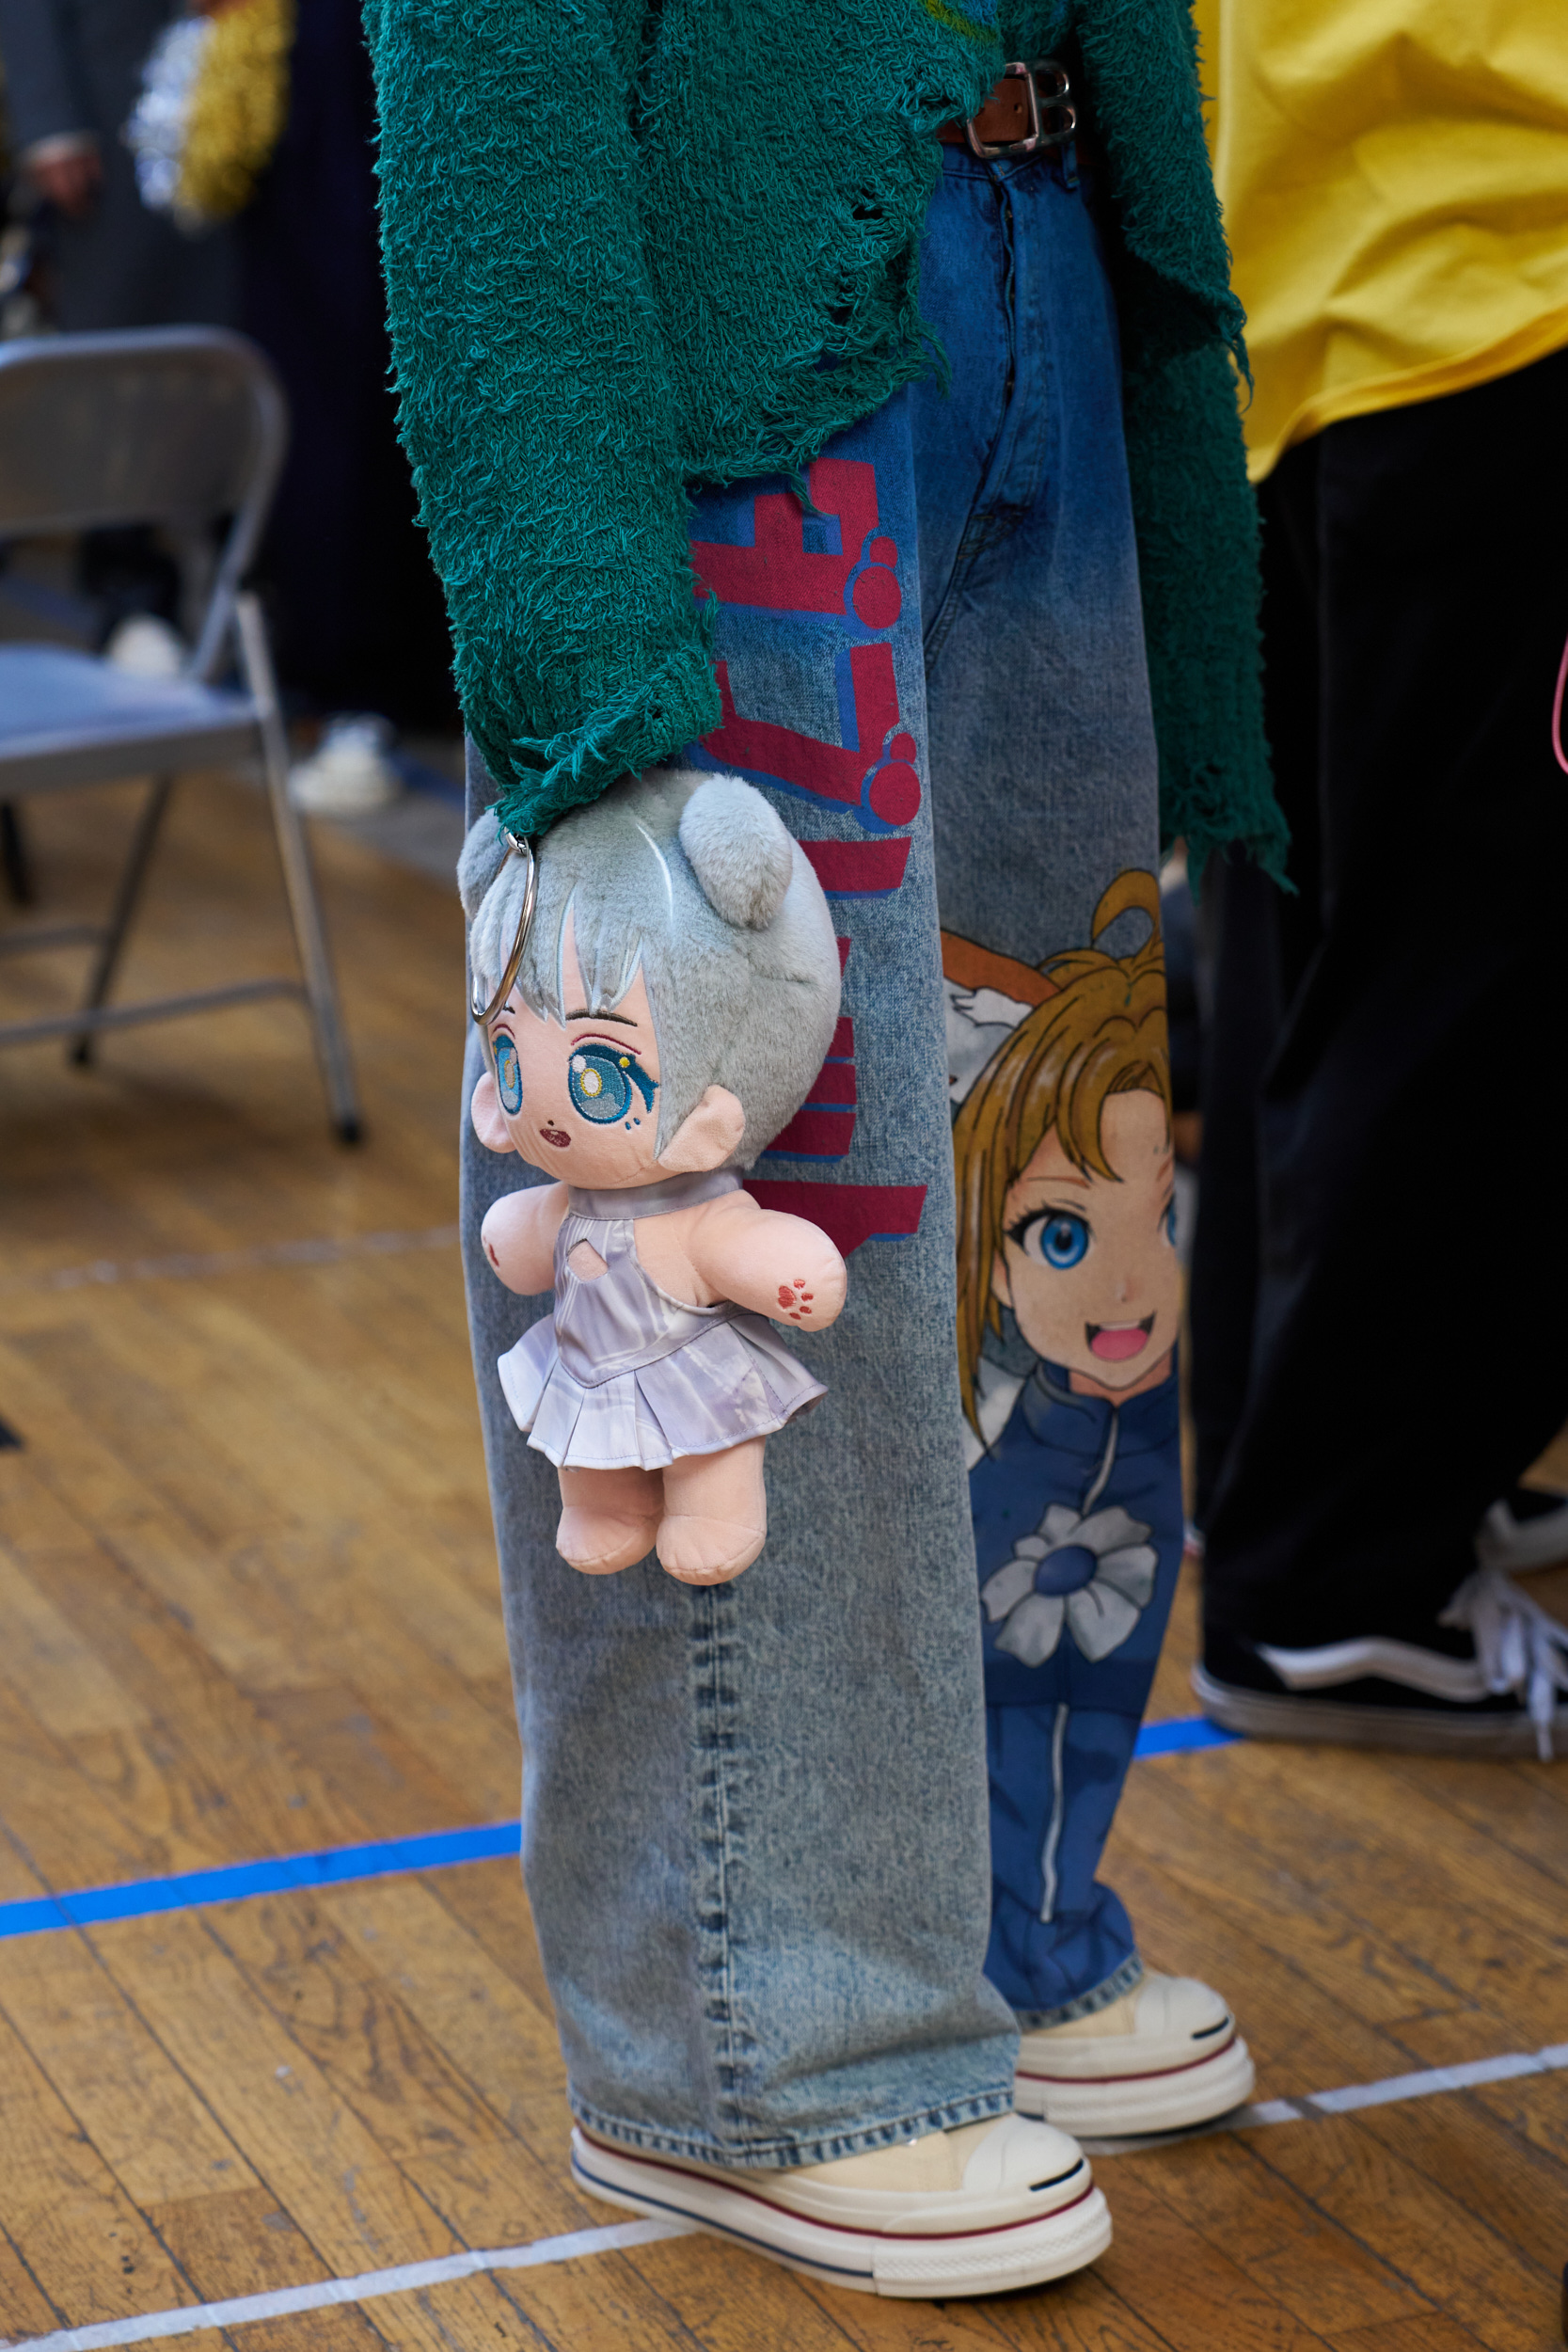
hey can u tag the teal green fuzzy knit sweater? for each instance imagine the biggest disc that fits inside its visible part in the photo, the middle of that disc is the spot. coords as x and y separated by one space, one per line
637 246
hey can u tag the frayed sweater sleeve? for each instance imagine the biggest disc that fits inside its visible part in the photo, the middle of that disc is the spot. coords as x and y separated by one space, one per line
1195 519
536 400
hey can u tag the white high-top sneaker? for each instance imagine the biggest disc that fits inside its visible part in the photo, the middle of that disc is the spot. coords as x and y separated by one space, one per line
993 2205
349 774
1166 2055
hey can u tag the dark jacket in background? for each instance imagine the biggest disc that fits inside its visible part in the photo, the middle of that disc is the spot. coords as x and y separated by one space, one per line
75 65
357 616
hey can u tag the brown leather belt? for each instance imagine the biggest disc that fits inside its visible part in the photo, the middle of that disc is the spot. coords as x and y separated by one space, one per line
1029 111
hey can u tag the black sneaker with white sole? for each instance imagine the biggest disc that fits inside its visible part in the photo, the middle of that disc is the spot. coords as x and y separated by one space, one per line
1489 1680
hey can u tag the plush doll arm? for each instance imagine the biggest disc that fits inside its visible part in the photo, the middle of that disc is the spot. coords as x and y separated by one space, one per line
518 1233
777 1265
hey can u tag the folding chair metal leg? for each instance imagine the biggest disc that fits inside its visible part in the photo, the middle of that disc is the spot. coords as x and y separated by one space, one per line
14 860
303 907
133 875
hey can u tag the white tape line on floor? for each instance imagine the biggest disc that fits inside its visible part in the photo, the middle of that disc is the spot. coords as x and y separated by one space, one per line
412 2276
368 2284
325 1249
1354 2095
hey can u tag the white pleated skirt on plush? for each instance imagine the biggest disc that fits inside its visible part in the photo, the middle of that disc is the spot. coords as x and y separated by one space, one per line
735 1380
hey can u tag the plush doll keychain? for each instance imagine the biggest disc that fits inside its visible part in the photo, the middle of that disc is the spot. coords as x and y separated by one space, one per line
656 989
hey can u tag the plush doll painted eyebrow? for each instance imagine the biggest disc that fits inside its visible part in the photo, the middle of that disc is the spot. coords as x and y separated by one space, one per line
1065 1171
675 997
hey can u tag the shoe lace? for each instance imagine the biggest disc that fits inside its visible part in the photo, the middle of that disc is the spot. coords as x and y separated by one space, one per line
1519 1645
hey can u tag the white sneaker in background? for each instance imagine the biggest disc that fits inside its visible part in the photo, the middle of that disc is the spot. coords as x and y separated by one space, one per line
1164 2057
993 2205
348 774
144 647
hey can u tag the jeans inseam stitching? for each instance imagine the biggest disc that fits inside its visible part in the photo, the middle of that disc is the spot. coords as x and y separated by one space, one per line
717 1702
723 1598
1042 426
976 540
981 528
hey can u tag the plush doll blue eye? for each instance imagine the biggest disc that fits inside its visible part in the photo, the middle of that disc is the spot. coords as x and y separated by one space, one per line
509 1077
601 1080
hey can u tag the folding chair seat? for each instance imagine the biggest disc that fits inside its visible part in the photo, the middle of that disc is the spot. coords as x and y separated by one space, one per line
182 427
68 718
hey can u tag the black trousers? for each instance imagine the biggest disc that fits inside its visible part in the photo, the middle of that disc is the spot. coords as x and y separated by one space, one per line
358 621
1380 1278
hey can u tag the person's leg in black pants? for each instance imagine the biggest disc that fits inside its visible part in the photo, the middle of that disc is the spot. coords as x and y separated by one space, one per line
1406 1356
1262 940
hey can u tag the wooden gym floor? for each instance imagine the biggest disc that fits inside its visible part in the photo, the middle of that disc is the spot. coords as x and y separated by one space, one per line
248 1609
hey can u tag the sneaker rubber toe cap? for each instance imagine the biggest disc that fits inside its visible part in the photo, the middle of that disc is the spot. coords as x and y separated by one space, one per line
1019 2153
1181 2011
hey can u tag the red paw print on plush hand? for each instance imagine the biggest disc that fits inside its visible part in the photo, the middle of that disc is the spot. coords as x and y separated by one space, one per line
796 1303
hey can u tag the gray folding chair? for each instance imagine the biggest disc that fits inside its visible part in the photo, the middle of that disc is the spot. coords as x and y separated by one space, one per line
177 426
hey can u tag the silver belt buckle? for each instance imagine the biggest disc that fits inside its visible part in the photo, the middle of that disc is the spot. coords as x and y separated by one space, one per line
1052 117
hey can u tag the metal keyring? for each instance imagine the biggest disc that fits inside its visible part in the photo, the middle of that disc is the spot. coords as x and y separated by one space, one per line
482 1013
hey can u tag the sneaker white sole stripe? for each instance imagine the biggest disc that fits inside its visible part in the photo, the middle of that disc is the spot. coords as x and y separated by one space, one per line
1128 2105
1149 2074
735 2186
645 2202
1412 1730
1028 2252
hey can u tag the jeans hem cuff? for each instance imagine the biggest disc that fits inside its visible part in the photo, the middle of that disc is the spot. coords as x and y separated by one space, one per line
801 2148
1126 1976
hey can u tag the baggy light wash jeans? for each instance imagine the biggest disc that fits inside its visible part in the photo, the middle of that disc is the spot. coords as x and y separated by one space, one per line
755 1823
1045 794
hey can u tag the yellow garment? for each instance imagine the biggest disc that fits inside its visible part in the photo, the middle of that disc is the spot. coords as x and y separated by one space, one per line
1394 175
238 103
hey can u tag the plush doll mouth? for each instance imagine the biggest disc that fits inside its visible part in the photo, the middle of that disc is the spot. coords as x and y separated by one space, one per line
557 1136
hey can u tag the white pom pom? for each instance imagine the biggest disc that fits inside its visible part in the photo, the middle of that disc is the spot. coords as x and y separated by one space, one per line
740 853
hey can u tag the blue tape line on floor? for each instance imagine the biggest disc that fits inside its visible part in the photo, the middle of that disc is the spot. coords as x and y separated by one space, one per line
140 1899
1187 1731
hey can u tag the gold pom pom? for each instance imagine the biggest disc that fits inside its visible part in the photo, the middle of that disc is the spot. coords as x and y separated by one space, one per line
238 103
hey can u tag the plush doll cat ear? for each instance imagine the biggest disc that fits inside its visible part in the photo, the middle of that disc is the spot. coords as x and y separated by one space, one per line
740 853
480 859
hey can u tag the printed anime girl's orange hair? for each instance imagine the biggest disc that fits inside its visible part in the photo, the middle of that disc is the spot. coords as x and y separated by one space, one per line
1100 1032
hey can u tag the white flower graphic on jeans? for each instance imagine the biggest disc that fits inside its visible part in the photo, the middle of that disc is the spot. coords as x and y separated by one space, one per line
1094 1573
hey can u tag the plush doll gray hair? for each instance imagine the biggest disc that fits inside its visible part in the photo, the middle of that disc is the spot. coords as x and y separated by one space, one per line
694 878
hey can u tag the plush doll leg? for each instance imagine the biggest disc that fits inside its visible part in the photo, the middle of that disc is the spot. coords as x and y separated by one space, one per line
715 1514
608 1518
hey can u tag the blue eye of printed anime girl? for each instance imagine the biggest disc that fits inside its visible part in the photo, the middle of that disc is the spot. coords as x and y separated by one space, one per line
601 1081
1057 1239
509 1077
1168 1221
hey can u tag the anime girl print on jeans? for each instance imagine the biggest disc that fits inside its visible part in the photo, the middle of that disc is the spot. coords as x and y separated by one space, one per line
1067 1278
